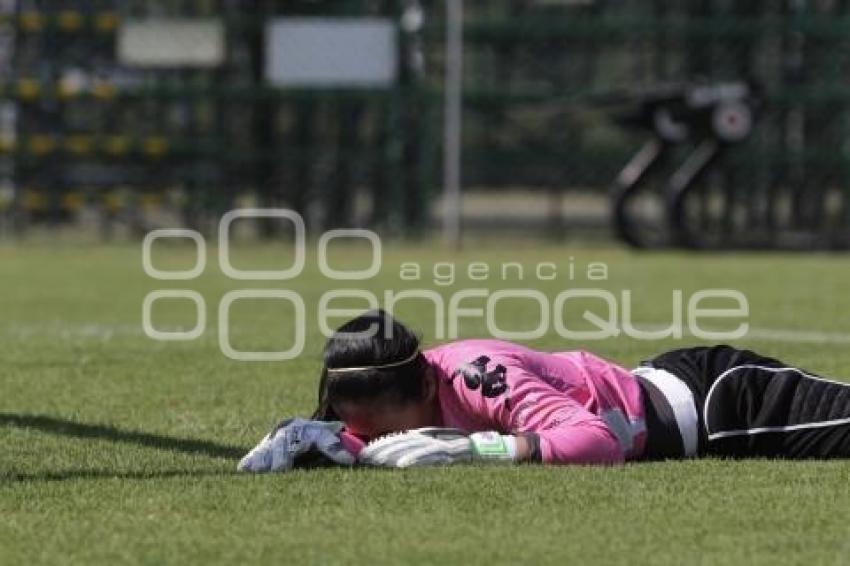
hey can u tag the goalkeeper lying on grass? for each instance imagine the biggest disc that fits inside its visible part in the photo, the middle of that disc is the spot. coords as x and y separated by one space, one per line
491 400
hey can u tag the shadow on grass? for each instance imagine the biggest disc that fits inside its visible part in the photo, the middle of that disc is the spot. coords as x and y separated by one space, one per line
65 475
64 427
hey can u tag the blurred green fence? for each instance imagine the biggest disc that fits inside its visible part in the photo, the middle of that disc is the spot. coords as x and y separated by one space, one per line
87 132
78 131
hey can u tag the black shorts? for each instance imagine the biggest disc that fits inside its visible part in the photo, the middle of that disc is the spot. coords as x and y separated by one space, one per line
749 405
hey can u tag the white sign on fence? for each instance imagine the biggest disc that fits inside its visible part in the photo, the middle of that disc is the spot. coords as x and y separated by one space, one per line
331 52
169 43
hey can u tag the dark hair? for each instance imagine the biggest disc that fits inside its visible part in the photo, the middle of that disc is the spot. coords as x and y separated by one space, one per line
374 338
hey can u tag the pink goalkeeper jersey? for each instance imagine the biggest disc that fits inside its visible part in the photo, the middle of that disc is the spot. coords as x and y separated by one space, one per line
584 409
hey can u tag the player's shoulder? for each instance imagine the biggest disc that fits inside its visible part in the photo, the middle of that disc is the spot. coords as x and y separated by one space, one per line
476 347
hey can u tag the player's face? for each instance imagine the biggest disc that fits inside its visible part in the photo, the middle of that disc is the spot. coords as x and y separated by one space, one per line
373 419
378 417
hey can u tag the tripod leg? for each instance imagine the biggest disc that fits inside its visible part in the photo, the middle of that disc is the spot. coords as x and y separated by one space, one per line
681 183
626 185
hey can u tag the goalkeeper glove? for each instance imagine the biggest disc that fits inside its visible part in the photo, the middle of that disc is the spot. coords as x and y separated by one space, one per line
297 442
435 446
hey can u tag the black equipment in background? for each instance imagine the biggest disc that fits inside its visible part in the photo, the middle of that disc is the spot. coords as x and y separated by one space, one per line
708 120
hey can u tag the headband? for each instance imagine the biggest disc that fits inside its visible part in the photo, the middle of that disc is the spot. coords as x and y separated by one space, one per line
363 368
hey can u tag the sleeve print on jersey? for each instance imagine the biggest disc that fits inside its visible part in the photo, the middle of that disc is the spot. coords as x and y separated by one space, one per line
493 383
522 412
556 382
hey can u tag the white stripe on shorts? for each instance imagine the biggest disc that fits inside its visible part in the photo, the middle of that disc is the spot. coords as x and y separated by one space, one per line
764 429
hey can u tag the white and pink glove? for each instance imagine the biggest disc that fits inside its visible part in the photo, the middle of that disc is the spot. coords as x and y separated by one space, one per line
438 446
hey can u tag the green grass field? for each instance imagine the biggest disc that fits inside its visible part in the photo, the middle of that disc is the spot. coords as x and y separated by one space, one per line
115 448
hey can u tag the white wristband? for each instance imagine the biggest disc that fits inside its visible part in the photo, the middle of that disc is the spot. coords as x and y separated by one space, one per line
493 447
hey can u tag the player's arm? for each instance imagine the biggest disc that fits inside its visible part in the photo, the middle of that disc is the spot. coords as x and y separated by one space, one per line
523 449
556 429
435 445
549 425
529 421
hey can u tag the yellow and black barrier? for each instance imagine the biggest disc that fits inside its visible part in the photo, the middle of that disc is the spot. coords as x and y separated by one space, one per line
40 200
68 21
32 90
81 145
